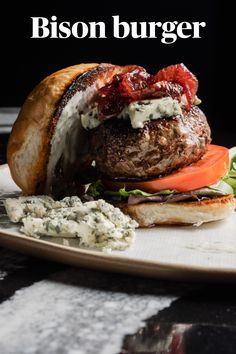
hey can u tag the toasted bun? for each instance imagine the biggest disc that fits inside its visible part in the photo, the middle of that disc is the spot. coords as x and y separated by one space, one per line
28 146
181 213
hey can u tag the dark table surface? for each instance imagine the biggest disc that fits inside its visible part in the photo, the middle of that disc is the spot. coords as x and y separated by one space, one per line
46 307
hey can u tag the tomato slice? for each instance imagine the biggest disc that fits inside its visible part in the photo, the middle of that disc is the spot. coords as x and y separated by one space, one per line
212 166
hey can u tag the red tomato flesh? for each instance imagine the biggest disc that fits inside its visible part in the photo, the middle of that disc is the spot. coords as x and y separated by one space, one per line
208 170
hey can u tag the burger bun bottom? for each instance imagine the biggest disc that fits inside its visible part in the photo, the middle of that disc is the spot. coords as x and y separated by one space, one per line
181 213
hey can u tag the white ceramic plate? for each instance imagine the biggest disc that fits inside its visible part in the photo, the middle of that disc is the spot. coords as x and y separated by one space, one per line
206 252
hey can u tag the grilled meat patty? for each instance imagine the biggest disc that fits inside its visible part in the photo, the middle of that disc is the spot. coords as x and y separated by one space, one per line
162 146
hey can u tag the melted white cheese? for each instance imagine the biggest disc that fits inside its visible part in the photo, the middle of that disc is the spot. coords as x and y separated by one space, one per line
96 223
65 139
89 118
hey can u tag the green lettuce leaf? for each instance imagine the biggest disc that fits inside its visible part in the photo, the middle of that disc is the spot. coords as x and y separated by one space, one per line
137 192
230 177
219 188
95 189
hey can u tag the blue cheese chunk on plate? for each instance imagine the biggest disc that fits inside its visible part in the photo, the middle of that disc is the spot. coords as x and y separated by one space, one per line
96 224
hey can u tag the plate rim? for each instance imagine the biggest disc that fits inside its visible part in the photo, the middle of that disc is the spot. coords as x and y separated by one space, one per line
99 255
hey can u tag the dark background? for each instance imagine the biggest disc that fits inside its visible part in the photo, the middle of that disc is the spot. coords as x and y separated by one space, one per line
26 61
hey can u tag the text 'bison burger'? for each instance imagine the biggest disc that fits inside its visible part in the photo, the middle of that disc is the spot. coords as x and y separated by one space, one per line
139 140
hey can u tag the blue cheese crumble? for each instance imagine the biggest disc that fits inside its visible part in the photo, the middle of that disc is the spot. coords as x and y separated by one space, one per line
96 224
138 112
142 111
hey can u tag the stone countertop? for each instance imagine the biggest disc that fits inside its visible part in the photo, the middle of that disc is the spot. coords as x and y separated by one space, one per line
49 308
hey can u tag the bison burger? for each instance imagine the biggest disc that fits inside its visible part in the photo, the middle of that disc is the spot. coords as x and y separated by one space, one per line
149 140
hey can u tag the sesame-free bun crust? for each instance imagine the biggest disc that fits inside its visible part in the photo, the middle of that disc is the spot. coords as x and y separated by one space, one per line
180 213
29 146
29 142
